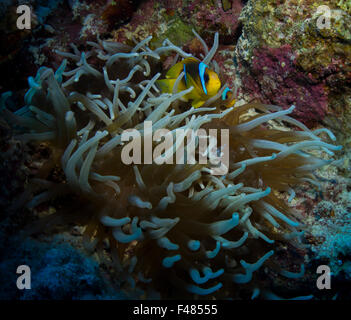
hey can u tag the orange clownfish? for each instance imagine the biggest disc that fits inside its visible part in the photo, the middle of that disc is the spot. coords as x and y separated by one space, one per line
197 74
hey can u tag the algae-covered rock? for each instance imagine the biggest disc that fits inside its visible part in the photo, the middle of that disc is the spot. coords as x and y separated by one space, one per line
174 19
306 48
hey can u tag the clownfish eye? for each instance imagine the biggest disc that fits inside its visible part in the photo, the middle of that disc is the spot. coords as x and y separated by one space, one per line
206 77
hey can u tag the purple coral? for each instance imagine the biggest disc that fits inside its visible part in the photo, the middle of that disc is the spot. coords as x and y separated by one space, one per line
275 78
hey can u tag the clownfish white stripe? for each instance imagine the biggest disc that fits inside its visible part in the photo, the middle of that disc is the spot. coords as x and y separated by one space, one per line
202 68
186 82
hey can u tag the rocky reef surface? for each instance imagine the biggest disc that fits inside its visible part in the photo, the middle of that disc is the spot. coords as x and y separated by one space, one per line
298 52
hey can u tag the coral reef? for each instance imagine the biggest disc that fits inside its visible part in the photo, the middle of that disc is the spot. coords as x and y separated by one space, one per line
303 62
174 19
330 235
174 228
118 12
274 75
58 271
13 173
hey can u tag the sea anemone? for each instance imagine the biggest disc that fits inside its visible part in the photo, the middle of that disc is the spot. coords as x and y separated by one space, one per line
173 228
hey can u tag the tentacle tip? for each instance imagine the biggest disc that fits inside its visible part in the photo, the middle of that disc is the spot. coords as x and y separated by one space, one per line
235 217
